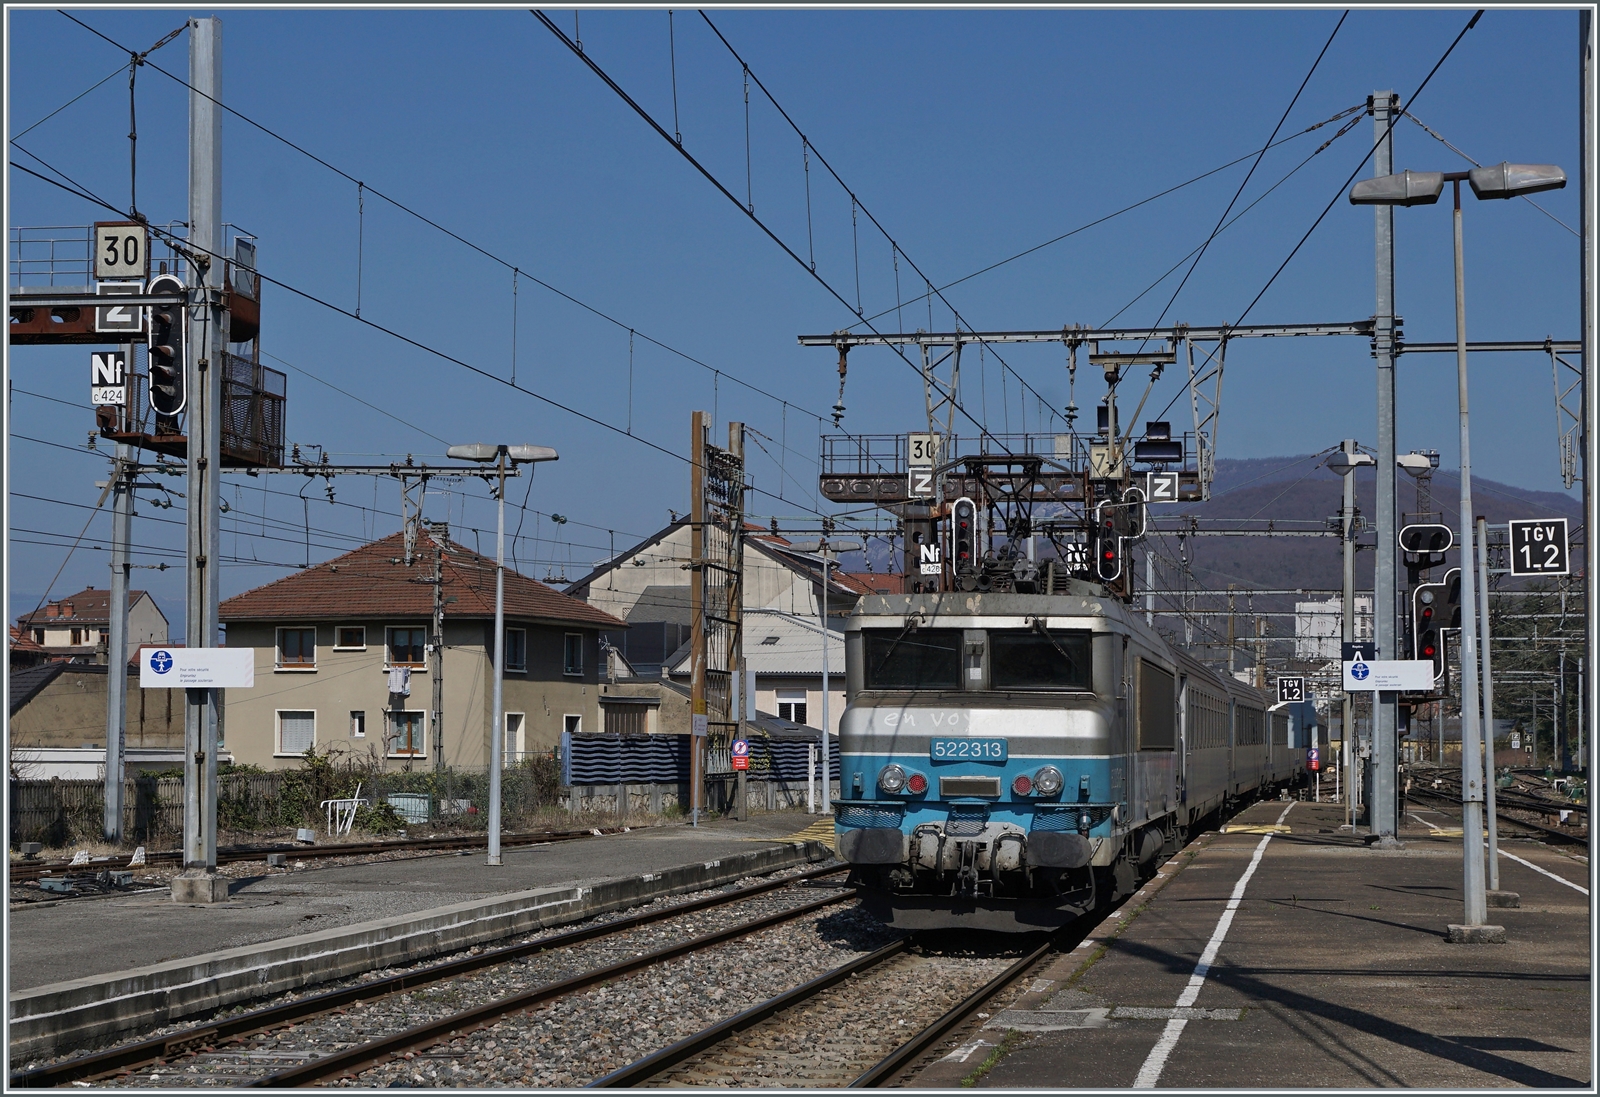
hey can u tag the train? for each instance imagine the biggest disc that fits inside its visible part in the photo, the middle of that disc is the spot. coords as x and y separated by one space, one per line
1011 761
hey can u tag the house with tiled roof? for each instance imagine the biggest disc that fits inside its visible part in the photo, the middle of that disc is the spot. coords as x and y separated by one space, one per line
75 626
648 585
346 660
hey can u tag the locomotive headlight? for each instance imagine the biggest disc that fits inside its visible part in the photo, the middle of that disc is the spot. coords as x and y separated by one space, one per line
891 778
1047 782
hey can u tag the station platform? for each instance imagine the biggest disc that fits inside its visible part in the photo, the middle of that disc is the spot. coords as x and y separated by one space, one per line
1285 953
78 940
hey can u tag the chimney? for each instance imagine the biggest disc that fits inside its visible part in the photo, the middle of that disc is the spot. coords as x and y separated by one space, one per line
52 610
66 609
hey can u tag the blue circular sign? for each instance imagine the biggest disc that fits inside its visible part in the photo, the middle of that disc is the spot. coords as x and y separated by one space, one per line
741 748
1359 671
161 661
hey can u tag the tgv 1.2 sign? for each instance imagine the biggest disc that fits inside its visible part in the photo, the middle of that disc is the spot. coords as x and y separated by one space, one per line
1539 547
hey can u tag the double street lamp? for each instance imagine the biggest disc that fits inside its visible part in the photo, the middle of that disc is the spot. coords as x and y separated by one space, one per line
1422 188
501 455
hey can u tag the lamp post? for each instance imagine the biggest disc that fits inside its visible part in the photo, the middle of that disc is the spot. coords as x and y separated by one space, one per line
500 455
1345 462
1413 188
827 550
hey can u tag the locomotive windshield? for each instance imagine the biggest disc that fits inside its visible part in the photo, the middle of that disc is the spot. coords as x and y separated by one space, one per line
1038 660
912 658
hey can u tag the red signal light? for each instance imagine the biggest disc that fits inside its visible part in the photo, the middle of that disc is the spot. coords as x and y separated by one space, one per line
917 783
1428 650
1022 785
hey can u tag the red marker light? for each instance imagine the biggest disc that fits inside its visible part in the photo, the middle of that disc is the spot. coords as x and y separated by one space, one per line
917 783
1022 785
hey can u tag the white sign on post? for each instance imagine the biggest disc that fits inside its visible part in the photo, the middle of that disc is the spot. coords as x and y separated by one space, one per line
124 319
121 250
198 668
699 724
108 375
928 559
1369 675
922 450
1162 487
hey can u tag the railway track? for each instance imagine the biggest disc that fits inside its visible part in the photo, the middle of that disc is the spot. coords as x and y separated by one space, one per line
1558 834
215 1049
772 1043
23 871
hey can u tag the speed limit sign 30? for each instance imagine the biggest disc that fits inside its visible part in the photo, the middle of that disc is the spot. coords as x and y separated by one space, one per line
121 251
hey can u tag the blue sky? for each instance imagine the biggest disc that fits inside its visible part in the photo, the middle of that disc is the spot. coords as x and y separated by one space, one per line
971 135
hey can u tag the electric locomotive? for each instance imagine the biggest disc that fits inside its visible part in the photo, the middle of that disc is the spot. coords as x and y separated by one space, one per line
1009 761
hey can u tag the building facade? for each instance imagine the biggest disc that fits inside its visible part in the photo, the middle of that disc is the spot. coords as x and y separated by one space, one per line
648 586
345 661
78 626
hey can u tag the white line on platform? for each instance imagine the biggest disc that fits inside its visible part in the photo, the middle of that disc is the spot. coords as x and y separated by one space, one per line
1545 872
1157 1060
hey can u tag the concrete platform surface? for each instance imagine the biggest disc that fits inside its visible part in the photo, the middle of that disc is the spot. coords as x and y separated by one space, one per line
76 940
1332 969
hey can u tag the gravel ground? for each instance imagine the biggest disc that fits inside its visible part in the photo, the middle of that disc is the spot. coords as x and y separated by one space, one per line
834 1038
642 1013
388 1015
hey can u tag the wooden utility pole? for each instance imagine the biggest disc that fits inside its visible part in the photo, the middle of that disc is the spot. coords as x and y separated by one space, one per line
701 425
739 687
440 534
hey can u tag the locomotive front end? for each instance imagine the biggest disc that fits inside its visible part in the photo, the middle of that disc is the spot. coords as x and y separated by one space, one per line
978 762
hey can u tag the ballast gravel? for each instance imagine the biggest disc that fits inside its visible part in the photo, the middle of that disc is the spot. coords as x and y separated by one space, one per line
272 1051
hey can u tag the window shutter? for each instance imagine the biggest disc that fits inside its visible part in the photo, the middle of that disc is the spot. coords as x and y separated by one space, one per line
297 731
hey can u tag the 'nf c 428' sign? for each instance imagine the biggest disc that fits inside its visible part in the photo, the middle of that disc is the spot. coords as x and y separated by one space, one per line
1539 547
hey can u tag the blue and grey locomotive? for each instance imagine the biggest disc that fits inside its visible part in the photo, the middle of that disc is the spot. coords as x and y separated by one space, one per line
1009 761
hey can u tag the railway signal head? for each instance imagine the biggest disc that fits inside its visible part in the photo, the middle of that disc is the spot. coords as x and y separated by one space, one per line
167 395
1435 607
1107 545
1426 538
963 534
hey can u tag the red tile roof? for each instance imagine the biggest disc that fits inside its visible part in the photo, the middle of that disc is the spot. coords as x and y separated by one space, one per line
872 582
373 581
89 607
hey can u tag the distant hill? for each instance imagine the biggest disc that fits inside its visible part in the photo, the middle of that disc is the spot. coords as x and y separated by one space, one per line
1303 489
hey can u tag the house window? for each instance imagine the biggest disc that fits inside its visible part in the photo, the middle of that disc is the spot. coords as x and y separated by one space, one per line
514 739
297 730
792 705
297 649
407 737
516 650
77 637
572 723
358 724
38 636
572 657
350 638
407 647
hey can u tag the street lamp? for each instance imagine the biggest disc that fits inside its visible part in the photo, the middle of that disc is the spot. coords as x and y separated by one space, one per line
828 551
500 455
1410 188
1345 460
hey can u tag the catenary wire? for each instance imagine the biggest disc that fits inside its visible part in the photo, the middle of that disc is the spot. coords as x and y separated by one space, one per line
510 266
876 223
80 191
760 224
